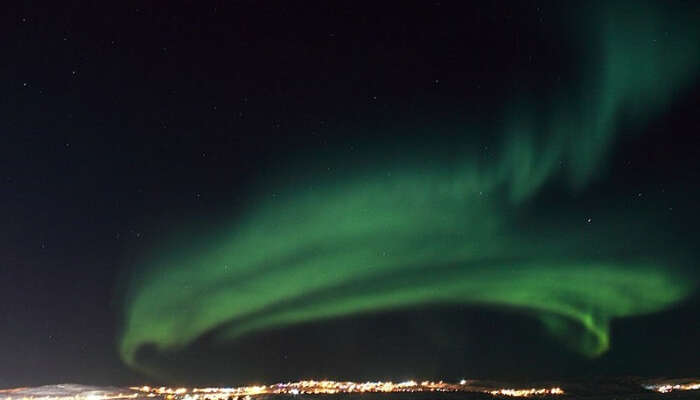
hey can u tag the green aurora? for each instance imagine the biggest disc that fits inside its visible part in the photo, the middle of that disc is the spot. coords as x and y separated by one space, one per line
438 232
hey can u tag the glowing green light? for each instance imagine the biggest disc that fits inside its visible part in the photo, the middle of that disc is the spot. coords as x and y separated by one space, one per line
446 233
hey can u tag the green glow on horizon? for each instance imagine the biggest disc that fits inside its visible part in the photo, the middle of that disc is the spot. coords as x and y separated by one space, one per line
443 234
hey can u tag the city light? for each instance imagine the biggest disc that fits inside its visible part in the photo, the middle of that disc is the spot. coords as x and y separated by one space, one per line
527 392
310 387
304 387
667 388
307 387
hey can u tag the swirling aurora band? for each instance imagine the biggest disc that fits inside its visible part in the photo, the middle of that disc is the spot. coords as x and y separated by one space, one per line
443 233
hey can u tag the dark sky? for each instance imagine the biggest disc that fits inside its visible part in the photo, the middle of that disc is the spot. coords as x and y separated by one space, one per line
120 122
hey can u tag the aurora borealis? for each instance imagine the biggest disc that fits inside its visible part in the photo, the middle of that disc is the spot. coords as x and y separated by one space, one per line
435 228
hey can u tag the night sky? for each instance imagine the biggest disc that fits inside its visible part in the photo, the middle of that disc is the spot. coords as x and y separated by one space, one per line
241 192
